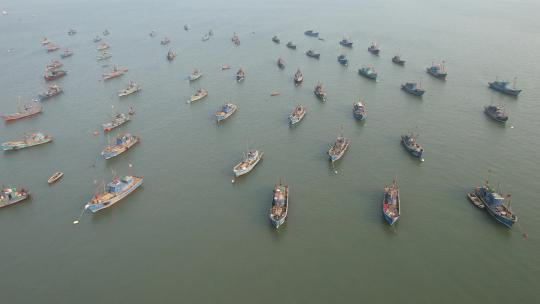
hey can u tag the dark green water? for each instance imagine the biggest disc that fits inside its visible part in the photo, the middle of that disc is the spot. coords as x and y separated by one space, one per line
190 236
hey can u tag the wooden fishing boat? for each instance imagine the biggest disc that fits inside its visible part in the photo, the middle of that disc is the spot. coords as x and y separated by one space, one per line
171 55
104 55
116 72
54 74
391 206
11 196
115 191
249 160
131 88
275 93
280 63
27 110
339 147
165 41
103 46
54 65
52 48
319 92
298 77
122 143
297 114
495 205
225 67
196 74
226 111
475 200
280 205
29 140
55 177
240 75
117 120
51 92
235 39
44 41
200 94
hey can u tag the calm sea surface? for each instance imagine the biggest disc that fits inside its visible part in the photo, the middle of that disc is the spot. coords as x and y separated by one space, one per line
189 235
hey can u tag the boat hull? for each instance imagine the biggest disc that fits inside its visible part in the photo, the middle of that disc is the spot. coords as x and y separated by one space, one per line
13 202
506 91
106 204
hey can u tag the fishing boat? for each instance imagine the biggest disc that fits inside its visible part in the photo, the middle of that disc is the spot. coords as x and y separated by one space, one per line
54 65
116 72
225 67
437 70
342 59
97 39
496 112
226 111
11 196
72 32
200 94
55 177
196 74
397 60
152 34
45 41
52 91
409 142
106 32
275 93
280 63
280 205
291 45
29 140
339 148
235 39
122 143
359 111
312 54
319 92
311 33
54 74
475 200
186 28
52 47
131 88
103 46
504 87
206 37
249 160
368 72
117 120
115 191
67 53
374 49
298 77
275 39
346 42
171 55
495 204
297 114
413 88
210 32
104 56
27 110
391 203
240 75
165 41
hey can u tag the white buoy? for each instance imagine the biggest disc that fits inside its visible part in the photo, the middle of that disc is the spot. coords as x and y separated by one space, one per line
232 181
422 159
75 222
335 171
511 127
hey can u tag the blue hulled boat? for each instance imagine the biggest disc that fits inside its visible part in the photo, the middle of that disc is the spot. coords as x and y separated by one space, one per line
227 110
346 42
342 59
413 88
359 111
495 206
391 204
437 70
116 190
409 142
311 33
504 87
368 72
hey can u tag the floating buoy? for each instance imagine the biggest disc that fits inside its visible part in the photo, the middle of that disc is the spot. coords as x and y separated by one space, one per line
511 127
232 181
422 159
75 222
335 172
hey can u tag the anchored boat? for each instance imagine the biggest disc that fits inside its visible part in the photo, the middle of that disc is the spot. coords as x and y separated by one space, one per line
235 39
319 92
116 190
339 148
275 39
104 56
55 177
171 55
102 47
374 49
196 74
391 203
437 70
496 112
117 120
280 63
495 205
116 72
359 111
413 88
72 32
312 54
165 41
27 110
311 33
200 94
475 200
67 53
29 140
54 65
368 72
297 114
131 88
291 45
346 42
122 143
342 59
52 48
280 205
409 142
397 60
227 110
54 74
52 91
240 75
97 39
11 196
249 160
504 87
298 77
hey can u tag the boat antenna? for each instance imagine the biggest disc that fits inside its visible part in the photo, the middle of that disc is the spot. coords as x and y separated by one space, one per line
508 197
